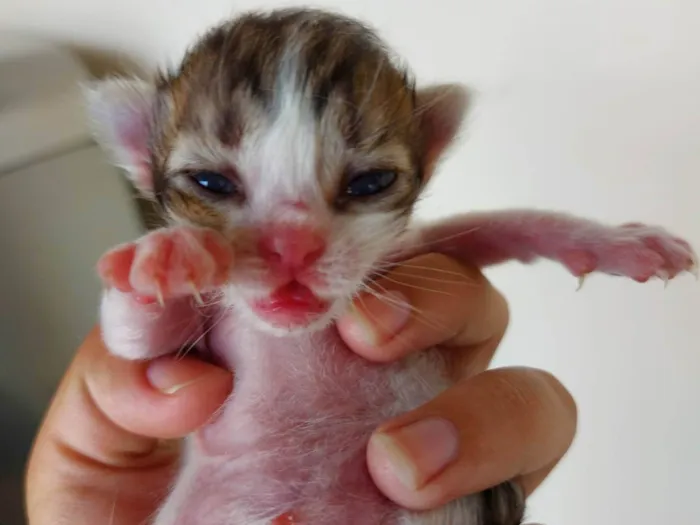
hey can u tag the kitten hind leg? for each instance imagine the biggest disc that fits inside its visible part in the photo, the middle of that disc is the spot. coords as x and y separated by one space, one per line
501 505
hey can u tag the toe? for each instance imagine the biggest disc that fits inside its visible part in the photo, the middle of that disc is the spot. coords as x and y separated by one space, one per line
115 266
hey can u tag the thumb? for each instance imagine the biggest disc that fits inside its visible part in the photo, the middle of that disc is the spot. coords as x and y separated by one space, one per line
108 408
103 434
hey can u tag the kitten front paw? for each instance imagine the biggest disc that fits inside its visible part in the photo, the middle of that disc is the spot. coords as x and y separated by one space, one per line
635 250
169 263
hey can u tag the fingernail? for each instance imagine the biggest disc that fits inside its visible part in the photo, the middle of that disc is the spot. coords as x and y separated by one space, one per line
416 453
170 376
377 319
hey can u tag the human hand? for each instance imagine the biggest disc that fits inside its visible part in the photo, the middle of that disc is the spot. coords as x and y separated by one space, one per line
107 450
106 447
497 425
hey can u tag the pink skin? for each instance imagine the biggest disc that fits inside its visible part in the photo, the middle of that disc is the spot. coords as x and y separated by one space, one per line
290 253
291 249
290 304
633 250
301 399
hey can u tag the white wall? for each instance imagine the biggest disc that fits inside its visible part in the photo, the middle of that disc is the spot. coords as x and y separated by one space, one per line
597 96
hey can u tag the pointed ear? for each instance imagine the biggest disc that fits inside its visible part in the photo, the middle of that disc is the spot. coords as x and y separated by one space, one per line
121 114
441 111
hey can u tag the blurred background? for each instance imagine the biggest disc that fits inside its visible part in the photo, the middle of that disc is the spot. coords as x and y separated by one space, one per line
588 106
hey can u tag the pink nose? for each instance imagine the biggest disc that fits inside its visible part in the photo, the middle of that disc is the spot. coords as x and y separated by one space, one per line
291 247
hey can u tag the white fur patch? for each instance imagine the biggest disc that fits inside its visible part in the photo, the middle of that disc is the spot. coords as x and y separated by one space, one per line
279 158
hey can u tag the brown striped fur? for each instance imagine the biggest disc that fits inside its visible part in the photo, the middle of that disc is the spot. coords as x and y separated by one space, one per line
231 78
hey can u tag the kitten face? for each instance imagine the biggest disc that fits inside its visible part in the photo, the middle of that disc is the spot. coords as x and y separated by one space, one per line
297 136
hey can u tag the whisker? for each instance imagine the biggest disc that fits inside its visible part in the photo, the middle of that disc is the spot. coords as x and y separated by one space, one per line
416 312
422 288
186 326
182 353
430 269
374 317
464 282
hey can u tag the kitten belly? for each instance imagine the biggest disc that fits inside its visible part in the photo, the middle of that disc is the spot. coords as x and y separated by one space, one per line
289 446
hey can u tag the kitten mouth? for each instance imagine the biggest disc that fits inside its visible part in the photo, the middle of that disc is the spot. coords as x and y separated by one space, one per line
292 304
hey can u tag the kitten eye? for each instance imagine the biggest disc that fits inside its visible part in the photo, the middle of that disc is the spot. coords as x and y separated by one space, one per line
214 182
370 183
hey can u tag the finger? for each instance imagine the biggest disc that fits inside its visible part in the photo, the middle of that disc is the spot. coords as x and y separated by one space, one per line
165 398
497 426
114 267
103 434
426 301
137 401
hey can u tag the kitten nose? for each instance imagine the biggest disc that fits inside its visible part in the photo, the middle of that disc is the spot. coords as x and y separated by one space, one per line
292 247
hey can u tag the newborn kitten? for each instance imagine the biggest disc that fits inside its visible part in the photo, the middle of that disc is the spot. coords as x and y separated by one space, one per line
287 153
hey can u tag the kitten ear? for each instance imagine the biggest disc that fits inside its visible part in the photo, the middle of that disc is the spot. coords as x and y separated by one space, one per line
441 111
121 114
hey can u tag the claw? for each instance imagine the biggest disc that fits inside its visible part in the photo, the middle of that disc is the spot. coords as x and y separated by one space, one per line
196 294
664 277
694 268
581 280
159 296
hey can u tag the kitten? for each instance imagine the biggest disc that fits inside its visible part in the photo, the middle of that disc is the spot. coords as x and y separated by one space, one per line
287 152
